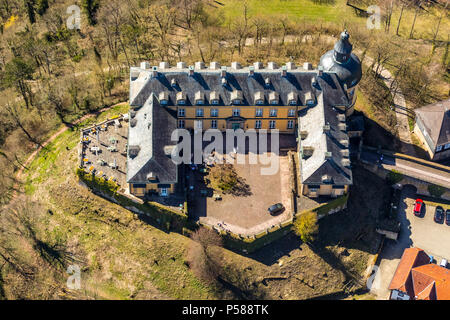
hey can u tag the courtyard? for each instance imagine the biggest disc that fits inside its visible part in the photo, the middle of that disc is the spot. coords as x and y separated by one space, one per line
245 212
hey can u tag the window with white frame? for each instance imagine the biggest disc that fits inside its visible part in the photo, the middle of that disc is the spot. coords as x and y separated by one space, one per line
181 124
236 112
198 124
447 146
273 112
291 113
214 112
199 112
259 112
258 124
272 124
181 112
439 148
214 124
290 124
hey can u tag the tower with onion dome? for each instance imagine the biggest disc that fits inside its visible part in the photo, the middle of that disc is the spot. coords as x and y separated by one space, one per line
346 65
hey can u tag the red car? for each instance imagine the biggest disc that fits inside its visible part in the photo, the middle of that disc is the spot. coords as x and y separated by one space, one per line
418 205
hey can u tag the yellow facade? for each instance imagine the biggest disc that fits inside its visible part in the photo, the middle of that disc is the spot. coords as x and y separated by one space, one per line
284 118
138 191
324 190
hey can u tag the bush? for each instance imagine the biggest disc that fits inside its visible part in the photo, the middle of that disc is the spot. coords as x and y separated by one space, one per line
306 226
436 191
394 177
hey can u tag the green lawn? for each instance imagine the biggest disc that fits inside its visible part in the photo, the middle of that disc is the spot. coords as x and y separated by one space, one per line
336 12
296 9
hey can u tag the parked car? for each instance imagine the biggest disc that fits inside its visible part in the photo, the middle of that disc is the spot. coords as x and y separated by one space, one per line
444 263
447 217
439 214
276 208
418 206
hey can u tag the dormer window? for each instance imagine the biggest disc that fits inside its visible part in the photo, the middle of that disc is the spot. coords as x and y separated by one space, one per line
273 97
164 98
181 98
309 99
292 98
214 97
236 97
327 179
199 98
259 98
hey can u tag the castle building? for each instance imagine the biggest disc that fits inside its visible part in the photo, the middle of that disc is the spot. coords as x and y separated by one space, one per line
312 104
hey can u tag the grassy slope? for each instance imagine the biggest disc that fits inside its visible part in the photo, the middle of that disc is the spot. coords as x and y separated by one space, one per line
122 256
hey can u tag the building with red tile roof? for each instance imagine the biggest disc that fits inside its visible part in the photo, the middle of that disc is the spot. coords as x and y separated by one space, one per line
420 279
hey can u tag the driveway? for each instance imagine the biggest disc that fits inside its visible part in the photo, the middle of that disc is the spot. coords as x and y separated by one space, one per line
421 232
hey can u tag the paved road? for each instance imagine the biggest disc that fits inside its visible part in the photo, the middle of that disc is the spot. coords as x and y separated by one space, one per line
410 168
421 232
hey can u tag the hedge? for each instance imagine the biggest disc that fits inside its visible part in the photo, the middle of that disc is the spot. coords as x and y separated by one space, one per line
436 191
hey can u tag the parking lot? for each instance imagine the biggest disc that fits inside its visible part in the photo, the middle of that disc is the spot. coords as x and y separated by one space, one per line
421 232
104 150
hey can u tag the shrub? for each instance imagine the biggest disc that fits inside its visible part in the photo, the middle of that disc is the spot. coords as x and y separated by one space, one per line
394 177
306 226
436 191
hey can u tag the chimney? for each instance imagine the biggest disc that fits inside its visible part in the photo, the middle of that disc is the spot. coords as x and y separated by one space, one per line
224 81
290 65
173 83
267 82
272 65
191 71
145 65
181 65
214 65
199 65
164 65
251 71
236 65
307 66
284 71
223 72
258 65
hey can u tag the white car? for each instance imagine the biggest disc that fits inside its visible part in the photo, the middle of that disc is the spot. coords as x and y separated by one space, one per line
443 263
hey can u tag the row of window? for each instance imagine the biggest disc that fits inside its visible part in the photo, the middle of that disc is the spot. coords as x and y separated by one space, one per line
235 102
199 124
236 112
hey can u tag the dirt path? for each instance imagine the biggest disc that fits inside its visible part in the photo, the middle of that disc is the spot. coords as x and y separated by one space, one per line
52 138
401 111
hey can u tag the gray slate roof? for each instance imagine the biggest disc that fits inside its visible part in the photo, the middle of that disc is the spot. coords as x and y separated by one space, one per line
436 119
343 62
206 80
328 157
152 132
